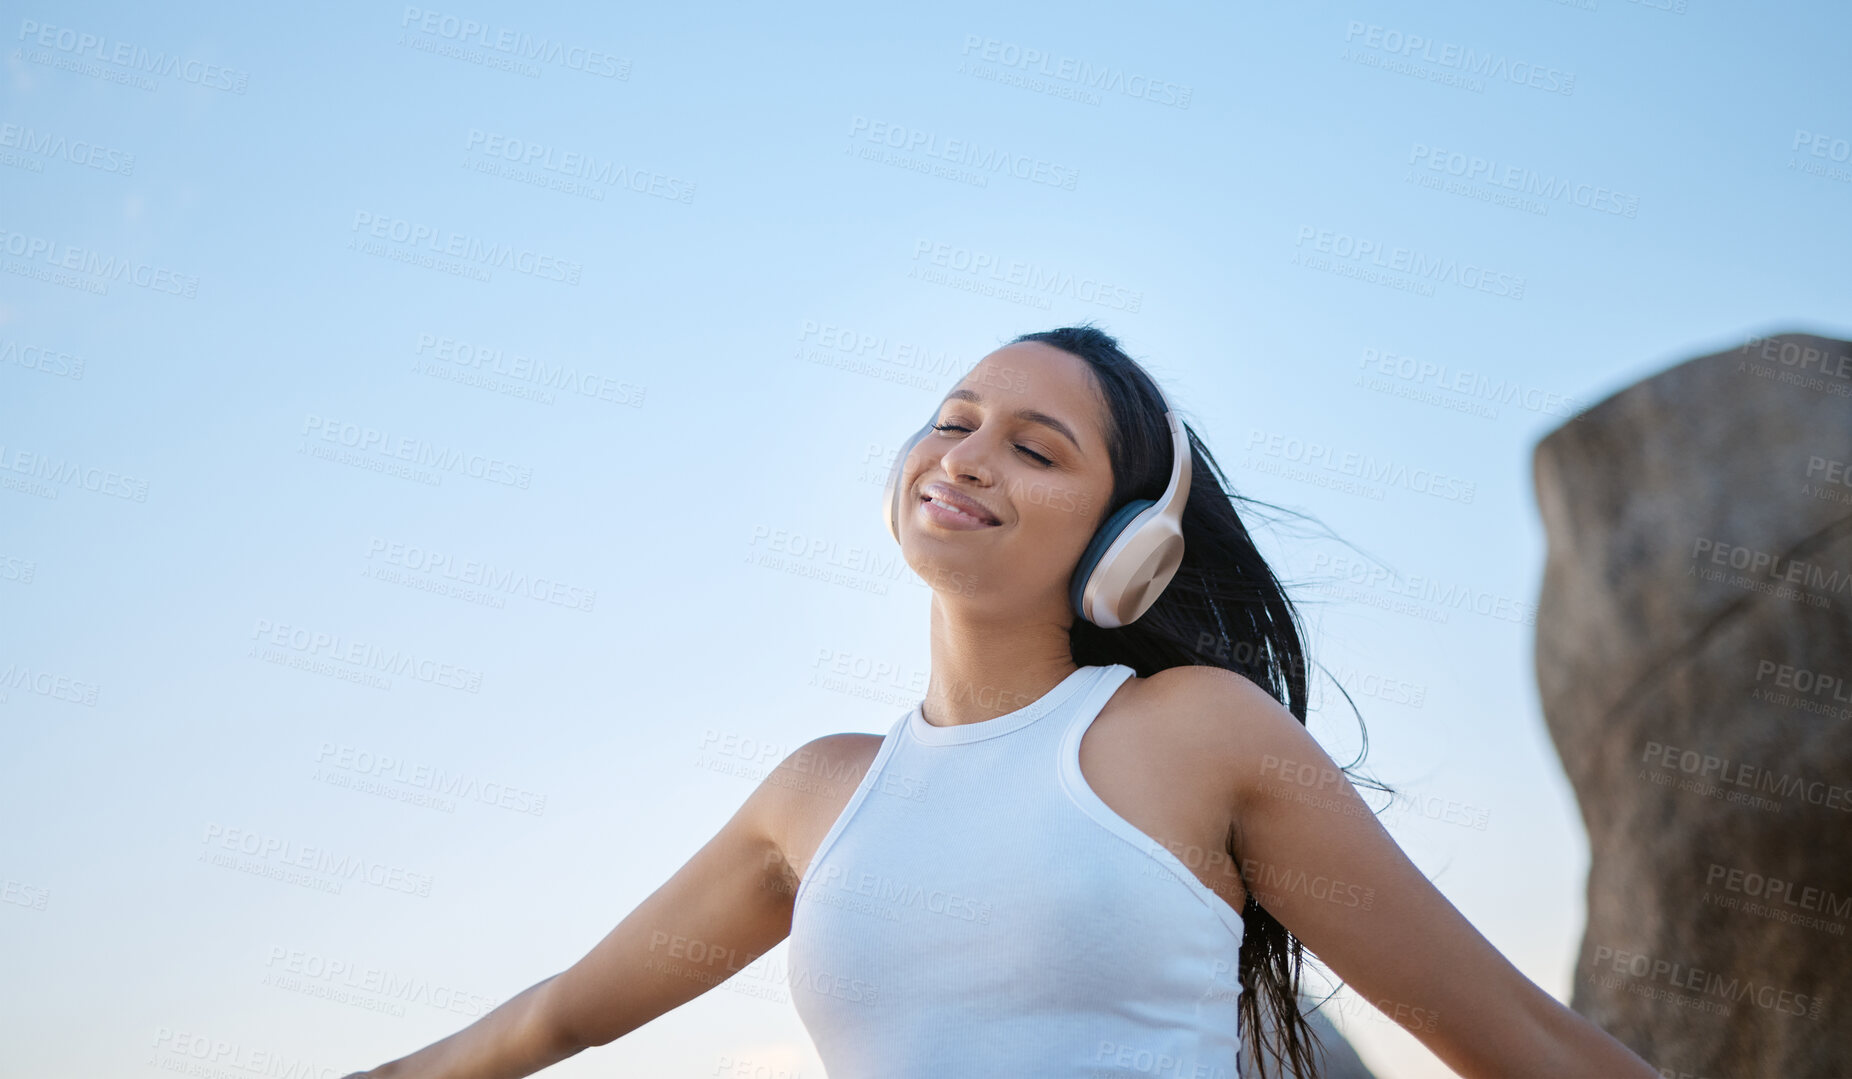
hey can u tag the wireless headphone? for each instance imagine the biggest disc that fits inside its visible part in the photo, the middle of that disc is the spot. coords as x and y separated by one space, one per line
1133 555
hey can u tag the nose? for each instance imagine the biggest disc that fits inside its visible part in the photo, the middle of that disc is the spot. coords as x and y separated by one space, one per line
969 458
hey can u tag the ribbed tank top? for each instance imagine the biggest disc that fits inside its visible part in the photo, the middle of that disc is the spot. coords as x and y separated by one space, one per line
977 912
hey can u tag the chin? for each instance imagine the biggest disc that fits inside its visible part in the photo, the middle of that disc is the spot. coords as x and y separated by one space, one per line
951 577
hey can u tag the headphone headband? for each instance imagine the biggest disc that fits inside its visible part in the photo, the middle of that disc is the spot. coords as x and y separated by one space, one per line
1177 491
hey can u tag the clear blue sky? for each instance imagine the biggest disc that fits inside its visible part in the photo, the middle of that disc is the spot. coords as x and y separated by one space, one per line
287 302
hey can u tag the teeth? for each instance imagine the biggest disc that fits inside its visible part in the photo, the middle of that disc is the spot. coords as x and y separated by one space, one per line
954 509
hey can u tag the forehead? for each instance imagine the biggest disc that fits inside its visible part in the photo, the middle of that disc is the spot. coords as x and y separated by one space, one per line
1033 375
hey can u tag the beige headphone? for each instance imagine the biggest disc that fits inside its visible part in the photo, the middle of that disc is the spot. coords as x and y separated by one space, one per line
1132 556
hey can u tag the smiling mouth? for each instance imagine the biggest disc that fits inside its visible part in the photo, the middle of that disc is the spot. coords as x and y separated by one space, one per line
980 517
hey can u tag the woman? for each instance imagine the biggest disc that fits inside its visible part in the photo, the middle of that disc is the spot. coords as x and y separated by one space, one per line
1099 846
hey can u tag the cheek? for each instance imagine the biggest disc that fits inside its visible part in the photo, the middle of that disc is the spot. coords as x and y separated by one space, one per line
1060 513
910 472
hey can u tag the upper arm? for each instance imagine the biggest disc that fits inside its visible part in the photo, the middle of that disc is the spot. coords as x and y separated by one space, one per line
730 903
1314 855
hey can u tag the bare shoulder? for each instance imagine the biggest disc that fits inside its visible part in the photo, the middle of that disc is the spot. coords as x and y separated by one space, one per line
1239 727
810 788
832 756
823 768
1213 702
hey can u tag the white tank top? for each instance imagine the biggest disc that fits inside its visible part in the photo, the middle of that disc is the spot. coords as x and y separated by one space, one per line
977 912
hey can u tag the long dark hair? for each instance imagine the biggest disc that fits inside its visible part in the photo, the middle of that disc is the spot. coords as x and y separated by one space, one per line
1224 608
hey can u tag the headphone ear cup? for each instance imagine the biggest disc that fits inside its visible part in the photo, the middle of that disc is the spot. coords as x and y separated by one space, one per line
1096 548
890 501
1146 571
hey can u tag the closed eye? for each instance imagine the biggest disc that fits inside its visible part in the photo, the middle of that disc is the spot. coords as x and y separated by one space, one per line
1038 458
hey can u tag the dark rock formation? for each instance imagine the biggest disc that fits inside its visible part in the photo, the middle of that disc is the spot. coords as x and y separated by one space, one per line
1694 658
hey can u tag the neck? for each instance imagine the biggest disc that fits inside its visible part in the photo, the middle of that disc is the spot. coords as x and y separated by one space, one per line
987 666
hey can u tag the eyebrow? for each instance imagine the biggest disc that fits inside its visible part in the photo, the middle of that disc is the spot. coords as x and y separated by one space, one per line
1029 414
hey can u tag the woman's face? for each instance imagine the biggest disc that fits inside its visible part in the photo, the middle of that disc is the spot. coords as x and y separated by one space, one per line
1021 447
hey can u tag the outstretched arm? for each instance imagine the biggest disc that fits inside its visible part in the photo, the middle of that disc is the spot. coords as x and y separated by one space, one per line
1317 859
515 1039
727 906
